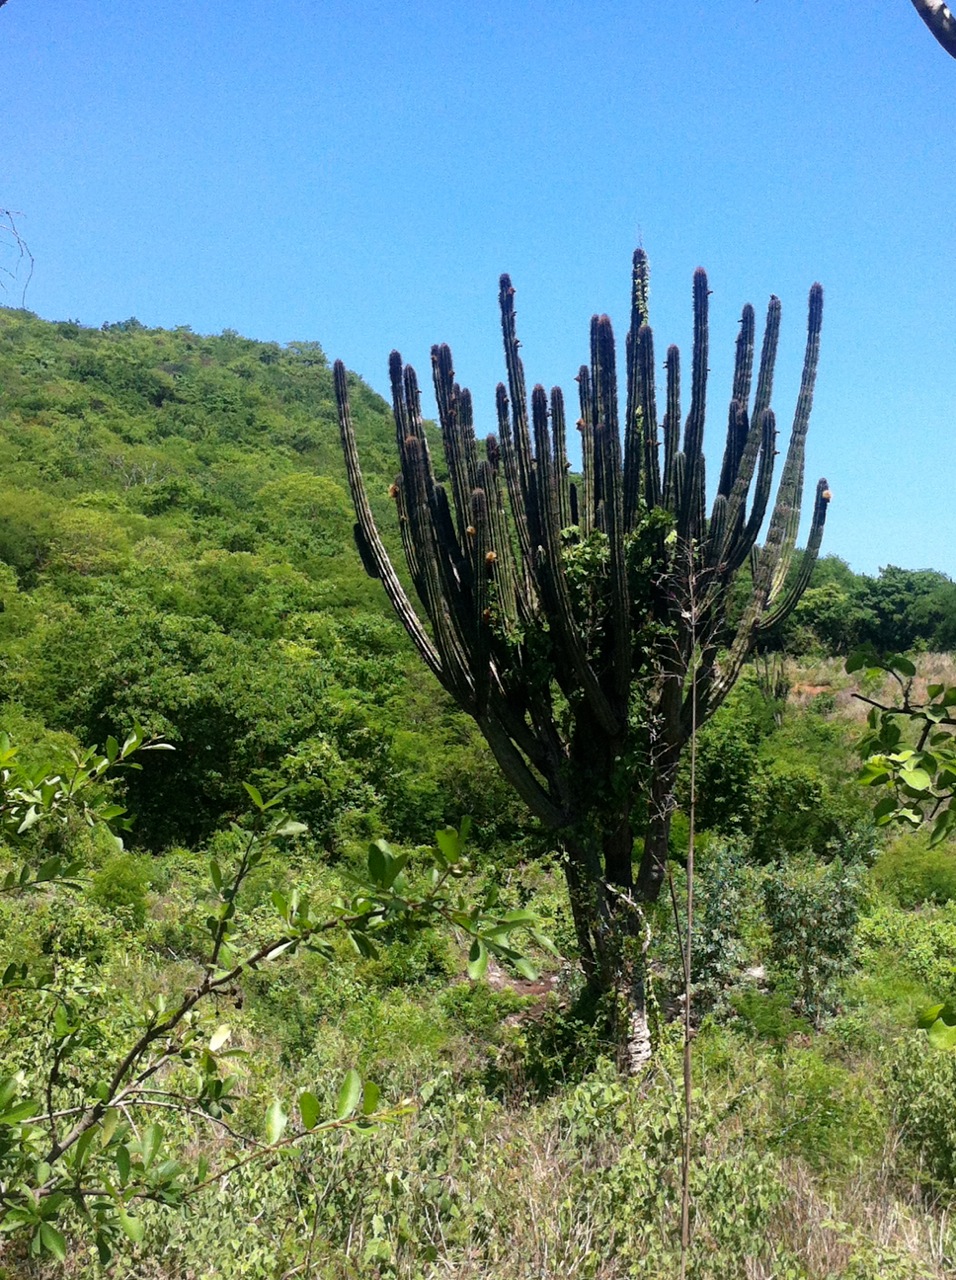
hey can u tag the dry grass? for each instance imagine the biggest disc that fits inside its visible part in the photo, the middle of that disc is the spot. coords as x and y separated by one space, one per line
809 679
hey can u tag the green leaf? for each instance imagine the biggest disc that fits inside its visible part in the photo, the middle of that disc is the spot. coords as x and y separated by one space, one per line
123 1163
929 1015
108 1126
255 795
219 1037
81 1148
477 960
898 663
379 856
916 779
52 1241
276 1121
349 1095
309 1109
20 1111
215 874
370 1098
150 1143
526 969
133 1228
291 828
942 1036
449 845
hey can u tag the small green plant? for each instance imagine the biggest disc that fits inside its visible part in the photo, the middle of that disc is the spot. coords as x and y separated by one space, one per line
812 910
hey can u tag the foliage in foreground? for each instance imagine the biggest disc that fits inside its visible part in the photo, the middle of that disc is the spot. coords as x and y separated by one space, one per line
80 1136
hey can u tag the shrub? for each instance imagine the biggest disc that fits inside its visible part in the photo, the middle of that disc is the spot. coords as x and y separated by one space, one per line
921 1087
812 912
920 945
120 886
913 874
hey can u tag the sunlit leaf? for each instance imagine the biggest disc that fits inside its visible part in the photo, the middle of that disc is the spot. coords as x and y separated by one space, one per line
349 1095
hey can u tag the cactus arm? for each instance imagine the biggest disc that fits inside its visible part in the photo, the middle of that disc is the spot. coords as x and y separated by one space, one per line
739 399
586 427
393 587
608 446
504 564
515 768
561 464
788 602
513 485
784 523
671 427
479 548
527 488
688 518
634 423
453 441
768 359
742 535
647 402
744 356
553 583
791 481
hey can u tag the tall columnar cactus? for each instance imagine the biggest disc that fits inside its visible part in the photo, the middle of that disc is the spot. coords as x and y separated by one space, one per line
579 622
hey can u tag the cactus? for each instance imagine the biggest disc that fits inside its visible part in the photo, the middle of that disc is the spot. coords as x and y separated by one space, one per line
576 622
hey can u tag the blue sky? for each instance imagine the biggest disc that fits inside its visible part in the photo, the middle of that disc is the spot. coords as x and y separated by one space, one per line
360 174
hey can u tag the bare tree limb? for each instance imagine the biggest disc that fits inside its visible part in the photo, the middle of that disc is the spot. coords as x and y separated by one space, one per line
940 21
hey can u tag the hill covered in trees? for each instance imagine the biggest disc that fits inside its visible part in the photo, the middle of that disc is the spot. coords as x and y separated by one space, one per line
176 548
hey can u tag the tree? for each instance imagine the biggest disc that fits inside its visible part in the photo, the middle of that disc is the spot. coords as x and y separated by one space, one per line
940 21
584 626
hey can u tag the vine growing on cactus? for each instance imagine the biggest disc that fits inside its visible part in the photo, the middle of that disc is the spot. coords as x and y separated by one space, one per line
558 609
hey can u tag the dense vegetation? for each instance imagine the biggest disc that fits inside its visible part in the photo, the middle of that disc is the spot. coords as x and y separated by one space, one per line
176 549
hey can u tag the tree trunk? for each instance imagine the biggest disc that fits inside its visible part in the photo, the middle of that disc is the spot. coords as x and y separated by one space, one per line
612 934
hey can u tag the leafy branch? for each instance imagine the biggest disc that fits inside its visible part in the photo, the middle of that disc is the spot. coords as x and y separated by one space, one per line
90 1156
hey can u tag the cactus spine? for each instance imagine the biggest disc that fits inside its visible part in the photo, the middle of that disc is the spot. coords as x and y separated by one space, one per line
520 562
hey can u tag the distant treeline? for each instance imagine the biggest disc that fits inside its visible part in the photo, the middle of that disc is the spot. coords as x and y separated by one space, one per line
897 610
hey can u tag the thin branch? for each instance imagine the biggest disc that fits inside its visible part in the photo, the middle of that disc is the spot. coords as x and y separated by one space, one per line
9 226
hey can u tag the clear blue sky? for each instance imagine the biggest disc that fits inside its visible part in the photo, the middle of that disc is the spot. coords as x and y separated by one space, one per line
360 173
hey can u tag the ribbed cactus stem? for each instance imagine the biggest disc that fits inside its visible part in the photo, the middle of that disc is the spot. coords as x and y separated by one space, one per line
369 531
768 359
588 499
689 519
671 426
561 464
634 423
449 417
608 449
647 405
785 521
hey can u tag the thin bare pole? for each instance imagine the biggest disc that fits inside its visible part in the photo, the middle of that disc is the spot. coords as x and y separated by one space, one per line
685 1231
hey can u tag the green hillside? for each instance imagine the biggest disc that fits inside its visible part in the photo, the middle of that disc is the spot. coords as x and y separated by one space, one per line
176 549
